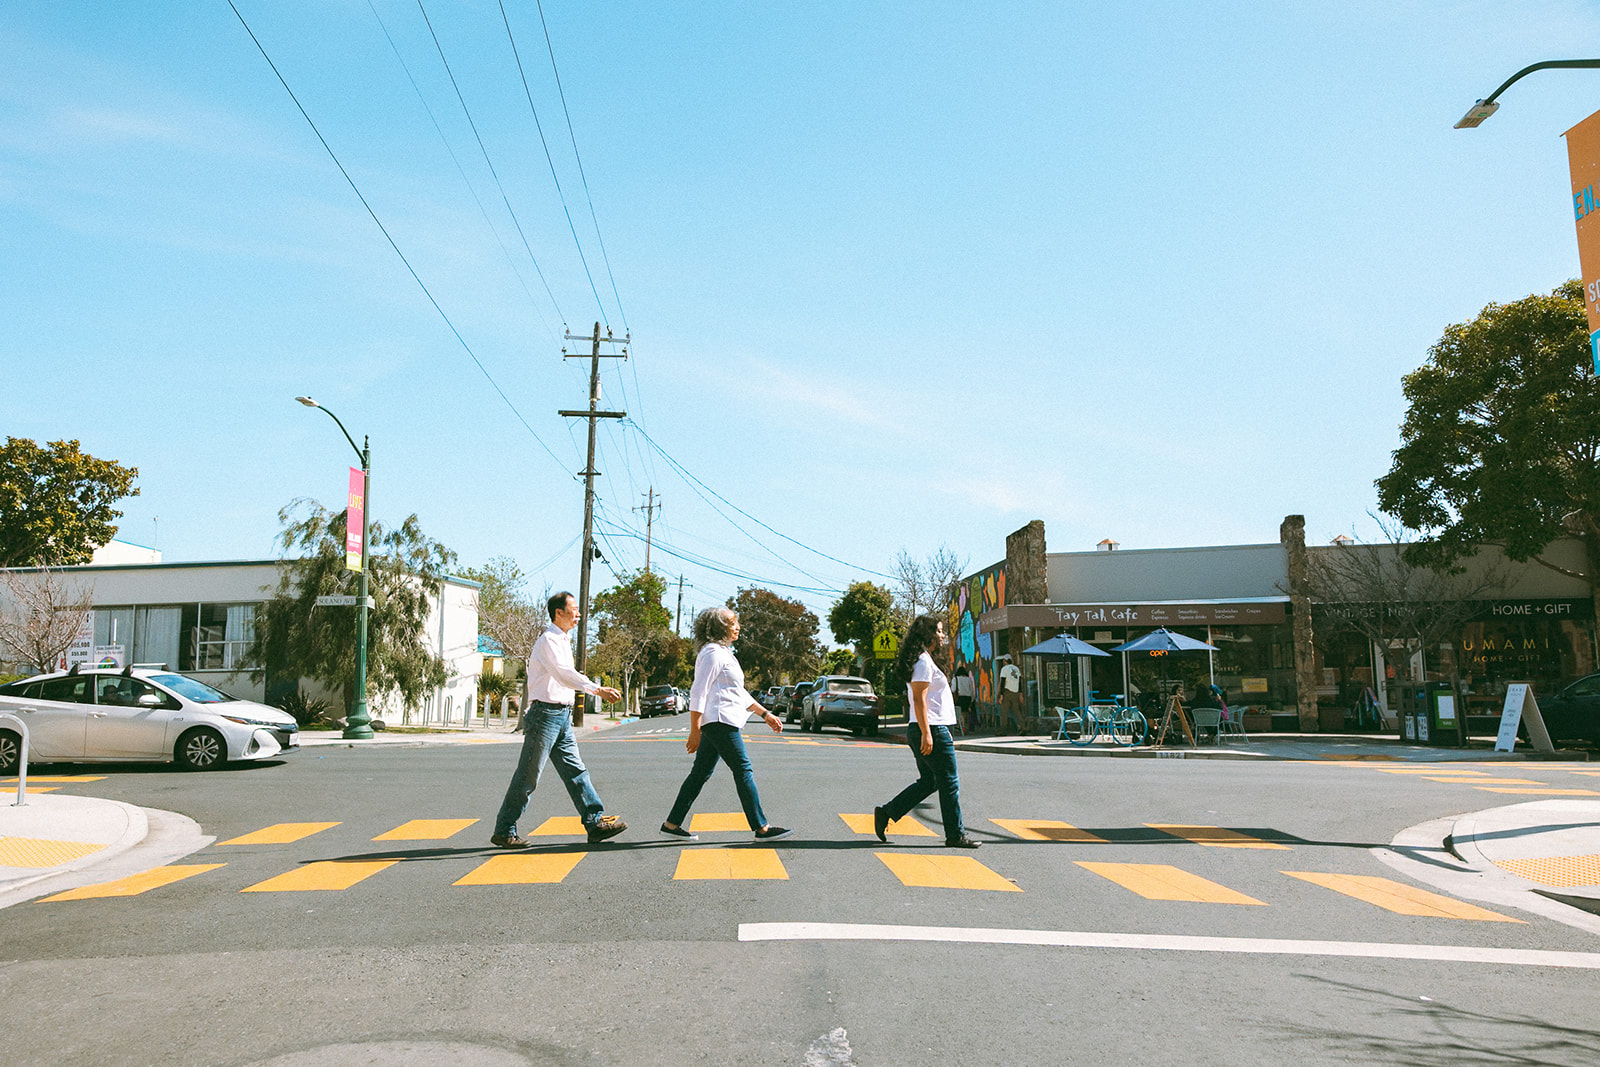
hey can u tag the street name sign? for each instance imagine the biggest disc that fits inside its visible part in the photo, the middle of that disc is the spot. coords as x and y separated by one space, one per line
343 602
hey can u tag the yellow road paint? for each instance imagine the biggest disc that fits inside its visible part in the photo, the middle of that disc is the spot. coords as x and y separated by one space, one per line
560 826
37 852
1047 830
1159 881
31 788
522 869
713 822
1356 761
1559 871
426 830
1590 773
55 778
324 874
1399 898
1426 770
282 833
1215 836
731 863
1541 792
906 827
135 884
1488 781
945 872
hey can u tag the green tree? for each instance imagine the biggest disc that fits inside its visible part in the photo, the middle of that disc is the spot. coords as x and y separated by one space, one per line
634 640
505 611
839 661
55 502
777 637
407 571
1500 438
856 618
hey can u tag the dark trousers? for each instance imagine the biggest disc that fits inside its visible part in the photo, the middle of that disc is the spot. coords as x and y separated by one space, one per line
935 772
718 740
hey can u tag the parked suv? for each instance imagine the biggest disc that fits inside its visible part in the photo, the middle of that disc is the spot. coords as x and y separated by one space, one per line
838 700
797 696
658 700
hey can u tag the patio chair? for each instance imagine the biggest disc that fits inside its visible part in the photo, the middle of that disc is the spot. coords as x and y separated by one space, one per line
1233 724
1207 719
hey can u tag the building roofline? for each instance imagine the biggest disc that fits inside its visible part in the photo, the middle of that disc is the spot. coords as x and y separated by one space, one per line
205 563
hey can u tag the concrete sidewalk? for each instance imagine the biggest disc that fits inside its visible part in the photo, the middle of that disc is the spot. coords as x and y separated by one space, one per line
1548 847
477 735
1275 746
50 835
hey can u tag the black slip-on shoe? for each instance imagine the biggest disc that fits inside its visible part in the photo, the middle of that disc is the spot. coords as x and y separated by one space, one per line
963 842
773 833
608 826
512 841
679 832
880 824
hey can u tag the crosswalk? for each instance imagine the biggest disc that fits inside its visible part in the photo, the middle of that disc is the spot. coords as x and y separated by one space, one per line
1497 780
918 865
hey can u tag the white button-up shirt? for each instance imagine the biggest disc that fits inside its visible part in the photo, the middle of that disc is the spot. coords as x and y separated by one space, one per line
718 693
551 676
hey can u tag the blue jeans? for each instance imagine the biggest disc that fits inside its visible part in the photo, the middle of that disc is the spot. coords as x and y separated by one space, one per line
935 772
547 730
718 740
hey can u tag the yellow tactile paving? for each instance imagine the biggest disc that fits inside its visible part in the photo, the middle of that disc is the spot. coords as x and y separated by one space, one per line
1401 899
945 872
714 822
729 863
1487 781
426 830
1159 881
906 827
1540 792
135 884
1047 830
282 833
1559 871
560 826
1215 836
55 778
522 869
324 874
40 852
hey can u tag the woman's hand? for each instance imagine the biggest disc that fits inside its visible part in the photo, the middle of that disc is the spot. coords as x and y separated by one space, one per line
774 722
927 742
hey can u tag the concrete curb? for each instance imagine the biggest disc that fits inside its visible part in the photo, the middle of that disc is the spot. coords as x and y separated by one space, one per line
477 736
136 827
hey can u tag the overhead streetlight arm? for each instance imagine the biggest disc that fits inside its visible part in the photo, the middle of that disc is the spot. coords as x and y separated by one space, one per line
308 402
1488 105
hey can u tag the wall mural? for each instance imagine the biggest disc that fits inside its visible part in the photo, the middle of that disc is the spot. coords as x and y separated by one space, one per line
983 592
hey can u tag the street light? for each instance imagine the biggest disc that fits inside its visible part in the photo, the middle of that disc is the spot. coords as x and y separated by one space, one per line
358 724
1488 106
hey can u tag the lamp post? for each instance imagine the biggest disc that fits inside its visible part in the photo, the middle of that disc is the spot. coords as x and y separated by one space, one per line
358 724
1489 105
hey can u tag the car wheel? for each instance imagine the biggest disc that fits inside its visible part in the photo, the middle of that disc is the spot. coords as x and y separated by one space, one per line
201 750
10 752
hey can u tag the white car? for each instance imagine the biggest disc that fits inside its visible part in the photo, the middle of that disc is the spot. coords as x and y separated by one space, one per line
136 715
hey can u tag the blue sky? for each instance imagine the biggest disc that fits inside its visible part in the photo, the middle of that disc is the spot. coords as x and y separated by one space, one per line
898 275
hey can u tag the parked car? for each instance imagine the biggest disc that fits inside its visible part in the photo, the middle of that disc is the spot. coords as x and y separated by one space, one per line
138 715
796 702
839 700
780 703
659 700
1574 712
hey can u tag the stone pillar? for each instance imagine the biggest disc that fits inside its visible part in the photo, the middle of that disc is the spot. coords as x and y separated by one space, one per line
1293 536
1027 582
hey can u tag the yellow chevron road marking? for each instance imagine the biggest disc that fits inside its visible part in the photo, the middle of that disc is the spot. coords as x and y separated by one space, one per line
1159 881
1541 792
135 884
1427 770
1047 830
1488 781
322 875
729 863
55 778
713 822
282 833
522 869
945 872
904 827
426 830
1399 898
1215 836
560 826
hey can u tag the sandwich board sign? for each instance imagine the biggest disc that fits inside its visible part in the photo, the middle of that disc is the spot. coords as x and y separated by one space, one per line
1520 705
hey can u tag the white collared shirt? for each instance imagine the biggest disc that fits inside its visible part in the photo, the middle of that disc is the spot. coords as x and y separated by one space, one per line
551 676
940 707
718 693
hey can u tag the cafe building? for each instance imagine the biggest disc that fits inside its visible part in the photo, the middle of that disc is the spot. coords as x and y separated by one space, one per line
1295 664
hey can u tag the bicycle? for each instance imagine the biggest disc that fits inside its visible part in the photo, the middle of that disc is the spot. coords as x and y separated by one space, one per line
1123 724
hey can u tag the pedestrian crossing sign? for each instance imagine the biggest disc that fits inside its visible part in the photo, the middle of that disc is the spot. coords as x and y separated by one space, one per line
885 644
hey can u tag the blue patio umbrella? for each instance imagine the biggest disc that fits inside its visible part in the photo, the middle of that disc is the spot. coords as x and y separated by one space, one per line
1067 645
1164 640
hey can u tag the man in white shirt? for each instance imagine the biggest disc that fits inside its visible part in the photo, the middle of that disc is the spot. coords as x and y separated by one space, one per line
553 682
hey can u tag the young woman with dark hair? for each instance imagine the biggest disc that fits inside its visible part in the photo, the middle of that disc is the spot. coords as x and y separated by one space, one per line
933 713
719 705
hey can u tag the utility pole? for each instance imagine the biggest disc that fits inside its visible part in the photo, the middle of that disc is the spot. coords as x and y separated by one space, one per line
593 413
676 619
649 510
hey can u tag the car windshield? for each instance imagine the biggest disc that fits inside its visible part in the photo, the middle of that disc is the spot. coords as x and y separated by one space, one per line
849 685
184 686
657 690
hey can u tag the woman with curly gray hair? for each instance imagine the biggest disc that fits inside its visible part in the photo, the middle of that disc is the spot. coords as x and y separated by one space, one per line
719 706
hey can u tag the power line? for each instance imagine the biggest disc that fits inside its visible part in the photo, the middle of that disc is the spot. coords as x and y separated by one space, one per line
411 270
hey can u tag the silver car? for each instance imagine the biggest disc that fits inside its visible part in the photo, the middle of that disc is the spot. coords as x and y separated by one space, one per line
137 715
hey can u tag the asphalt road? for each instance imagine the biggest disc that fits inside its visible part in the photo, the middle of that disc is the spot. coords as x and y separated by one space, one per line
630 952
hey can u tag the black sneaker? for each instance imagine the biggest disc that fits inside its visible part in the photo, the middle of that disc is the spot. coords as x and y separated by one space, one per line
773 833
608 826
679 832
510 841
880 824
963 842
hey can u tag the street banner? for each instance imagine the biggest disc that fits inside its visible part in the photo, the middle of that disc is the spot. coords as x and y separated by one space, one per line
355 514
1583 157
